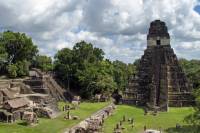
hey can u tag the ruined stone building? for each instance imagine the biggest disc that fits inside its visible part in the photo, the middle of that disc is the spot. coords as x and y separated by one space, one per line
160 81
38 93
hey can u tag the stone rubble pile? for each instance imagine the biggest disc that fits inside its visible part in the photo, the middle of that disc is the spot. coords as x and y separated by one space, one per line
94 123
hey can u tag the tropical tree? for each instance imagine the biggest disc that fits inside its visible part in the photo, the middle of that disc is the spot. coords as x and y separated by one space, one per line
16 52
85 69
192 70
12 70
65 67
22 68
18 46
120 74
194 118
43 62
3 58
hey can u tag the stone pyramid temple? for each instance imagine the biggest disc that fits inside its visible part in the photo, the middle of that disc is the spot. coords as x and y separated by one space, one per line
160 81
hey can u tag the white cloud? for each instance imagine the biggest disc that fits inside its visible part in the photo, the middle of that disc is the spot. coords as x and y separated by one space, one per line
119 27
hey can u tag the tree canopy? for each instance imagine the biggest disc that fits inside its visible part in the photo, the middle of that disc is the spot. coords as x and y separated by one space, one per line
16 52
18 46
43 62
192 70
85 68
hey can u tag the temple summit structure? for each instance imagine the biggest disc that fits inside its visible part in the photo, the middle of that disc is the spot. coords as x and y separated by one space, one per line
160 81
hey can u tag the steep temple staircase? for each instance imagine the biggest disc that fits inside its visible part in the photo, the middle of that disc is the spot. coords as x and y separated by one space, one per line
45 83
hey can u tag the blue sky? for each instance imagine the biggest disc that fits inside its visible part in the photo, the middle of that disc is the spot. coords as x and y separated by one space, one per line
119 27
197 8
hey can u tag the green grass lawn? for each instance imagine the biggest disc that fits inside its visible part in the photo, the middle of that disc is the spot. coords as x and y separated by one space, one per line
165 120
57 125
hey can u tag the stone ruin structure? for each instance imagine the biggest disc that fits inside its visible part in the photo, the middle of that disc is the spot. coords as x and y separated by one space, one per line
94 123
45 84
160 81
37 94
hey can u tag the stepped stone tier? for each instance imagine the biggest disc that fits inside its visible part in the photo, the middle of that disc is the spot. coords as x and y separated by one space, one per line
39 92
160 81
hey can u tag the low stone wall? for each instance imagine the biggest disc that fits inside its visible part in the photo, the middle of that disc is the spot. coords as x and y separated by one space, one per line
94 123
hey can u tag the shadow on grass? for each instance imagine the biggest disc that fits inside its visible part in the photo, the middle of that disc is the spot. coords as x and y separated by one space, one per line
184 129
22 123
132 105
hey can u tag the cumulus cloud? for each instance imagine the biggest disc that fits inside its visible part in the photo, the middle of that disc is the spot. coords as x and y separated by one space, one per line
119 27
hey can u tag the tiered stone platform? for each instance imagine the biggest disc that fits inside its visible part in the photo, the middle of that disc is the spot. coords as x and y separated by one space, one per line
160 81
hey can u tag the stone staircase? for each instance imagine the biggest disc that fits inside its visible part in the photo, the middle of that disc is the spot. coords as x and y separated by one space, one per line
4 84
46 83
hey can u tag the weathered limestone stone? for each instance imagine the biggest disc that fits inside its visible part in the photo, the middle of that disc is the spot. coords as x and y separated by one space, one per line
160 81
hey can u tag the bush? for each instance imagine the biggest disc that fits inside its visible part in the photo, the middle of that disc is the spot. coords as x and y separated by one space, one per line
12 71
22 68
